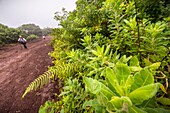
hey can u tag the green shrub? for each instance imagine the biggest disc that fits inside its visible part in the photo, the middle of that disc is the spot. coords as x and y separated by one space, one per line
32 37
93 58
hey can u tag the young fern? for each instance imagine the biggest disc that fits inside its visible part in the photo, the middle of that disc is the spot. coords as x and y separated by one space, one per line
61 70
39 82
65 71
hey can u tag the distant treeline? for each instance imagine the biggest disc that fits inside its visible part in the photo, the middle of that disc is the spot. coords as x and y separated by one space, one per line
10 35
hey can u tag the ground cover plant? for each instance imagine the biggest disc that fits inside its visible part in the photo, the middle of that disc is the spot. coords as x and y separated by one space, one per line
109 58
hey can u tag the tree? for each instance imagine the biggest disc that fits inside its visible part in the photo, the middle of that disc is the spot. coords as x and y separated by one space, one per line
46 31
8 35
31 29
155 10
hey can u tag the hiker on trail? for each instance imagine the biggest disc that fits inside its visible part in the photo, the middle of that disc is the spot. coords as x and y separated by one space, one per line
23 41
43 37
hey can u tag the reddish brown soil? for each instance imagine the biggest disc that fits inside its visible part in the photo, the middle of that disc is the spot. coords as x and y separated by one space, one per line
19 67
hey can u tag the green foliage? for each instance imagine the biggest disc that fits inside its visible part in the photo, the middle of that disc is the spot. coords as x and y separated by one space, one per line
96 54
40 81
154 10
31 29
73 95
164 100
124 93
32 37
61 70
156 110
8 35
66 70
156 43
46 31
49 107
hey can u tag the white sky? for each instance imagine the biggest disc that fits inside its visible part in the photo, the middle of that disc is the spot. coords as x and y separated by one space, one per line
15 13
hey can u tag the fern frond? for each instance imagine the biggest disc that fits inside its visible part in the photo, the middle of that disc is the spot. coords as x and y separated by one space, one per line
66 70
39 82
62 70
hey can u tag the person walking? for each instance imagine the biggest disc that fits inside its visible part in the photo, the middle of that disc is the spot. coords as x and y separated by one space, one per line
43 37
23 41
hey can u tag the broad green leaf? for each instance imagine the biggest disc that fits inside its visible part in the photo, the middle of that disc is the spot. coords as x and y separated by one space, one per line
62 110
129 81
161 110
156 110
144 93
150 110
41 110
122 72
95 104
134 68
142 78
102 99
164 100
147 62
95 87
128 84
134 61
118 102
154 66
133 109
151 103
111 77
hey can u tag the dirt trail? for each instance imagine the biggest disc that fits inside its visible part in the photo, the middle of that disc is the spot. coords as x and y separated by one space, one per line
19 67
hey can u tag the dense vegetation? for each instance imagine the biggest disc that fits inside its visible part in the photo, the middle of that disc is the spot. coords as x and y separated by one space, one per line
110 56
29 31
8 35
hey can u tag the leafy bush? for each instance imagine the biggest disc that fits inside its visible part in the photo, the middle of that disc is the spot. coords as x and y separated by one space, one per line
96 56
8 35
31 29
32 37
124 88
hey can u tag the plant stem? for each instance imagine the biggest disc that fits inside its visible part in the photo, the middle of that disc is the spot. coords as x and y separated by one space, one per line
165 56
138 30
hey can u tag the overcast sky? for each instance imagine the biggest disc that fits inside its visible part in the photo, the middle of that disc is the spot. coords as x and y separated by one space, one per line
15 13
